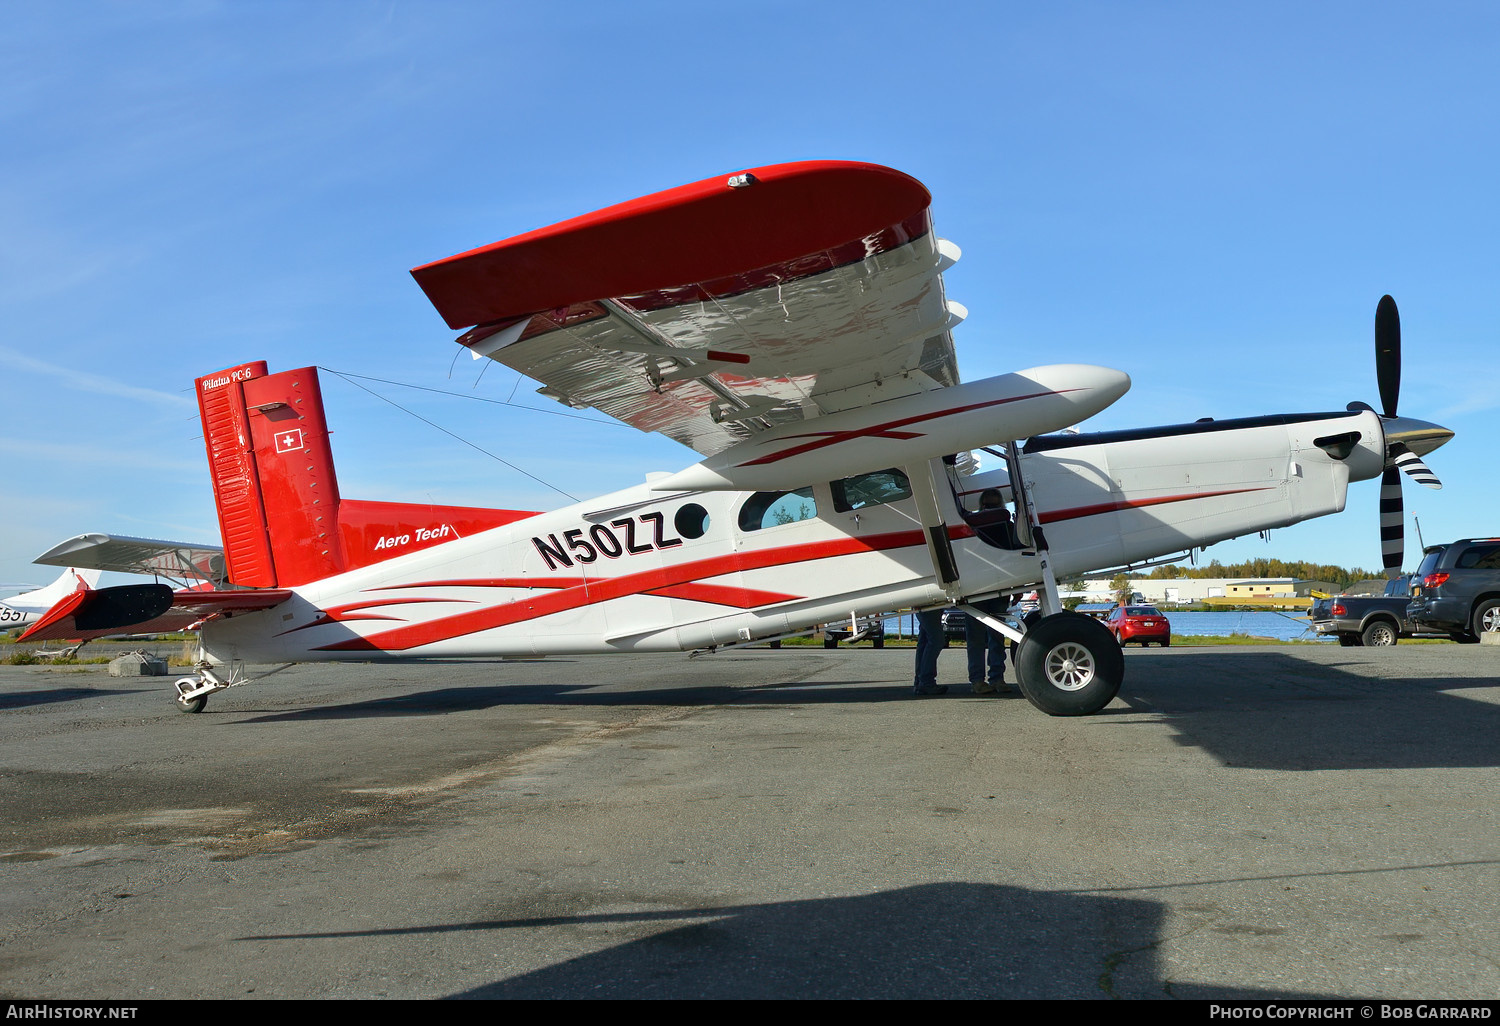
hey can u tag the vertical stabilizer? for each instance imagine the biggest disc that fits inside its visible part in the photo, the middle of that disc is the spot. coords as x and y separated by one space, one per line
274 483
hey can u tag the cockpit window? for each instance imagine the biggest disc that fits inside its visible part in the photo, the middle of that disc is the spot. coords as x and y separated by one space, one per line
772 509
875 489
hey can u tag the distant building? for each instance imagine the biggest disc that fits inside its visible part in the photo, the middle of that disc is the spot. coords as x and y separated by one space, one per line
1278 587
1182 590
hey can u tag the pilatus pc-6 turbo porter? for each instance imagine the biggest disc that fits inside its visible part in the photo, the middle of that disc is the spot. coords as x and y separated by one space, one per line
789 324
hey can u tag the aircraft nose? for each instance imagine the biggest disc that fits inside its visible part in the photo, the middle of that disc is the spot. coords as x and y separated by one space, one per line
1420 436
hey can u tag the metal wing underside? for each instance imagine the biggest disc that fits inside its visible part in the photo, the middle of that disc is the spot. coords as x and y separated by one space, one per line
849 337
179 561
710 362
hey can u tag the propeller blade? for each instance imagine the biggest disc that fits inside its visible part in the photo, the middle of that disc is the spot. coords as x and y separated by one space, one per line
1388 353
1411 464
1392 523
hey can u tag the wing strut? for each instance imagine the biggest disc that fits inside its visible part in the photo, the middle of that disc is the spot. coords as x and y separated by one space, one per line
923 478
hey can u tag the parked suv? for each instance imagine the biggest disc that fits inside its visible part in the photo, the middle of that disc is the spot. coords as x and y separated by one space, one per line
1457 589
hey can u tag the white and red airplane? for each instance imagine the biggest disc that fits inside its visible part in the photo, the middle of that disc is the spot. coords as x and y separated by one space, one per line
789 324
30 606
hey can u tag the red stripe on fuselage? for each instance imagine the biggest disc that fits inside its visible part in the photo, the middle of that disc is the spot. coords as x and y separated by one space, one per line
1053 516
653 581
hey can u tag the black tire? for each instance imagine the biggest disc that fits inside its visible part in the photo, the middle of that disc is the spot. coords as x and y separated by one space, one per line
1486 618
1465 639
1348 640
1070 665
879 642
1167 643
1379 634
776 644
830 643
192 705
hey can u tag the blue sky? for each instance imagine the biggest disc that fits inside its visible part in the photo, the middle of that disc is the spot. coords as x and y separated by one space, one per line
1211 197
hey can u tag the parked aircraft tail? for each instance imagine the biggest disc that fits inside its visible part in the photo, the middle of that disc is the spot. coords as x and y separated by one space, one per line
70 580
282 518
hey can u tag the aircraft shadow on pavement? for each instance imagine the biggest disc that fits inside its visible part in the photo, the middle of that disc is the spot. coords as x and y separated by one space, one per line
50 696
942 940
1272 711
1254 709
457 699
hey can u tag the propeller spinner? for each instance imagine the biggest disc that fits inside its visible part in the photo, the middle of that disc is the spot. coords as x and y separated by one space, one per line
1406 439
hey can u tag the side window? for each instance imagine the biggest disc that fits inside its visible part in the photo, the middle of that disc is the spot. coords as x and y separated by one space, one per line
1482 558
772 509
875 489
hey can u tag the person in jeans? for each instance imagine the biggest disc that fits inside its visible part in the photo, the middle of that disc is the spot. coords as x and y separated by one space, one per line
930 643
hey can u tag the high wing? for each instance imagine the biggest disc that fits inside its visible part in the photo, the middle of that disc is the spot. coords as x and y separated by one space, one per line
180 561
719 309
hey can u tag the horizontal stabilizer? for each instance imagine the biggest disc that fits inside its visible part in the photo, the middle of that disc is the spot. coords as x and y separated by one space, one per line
142 609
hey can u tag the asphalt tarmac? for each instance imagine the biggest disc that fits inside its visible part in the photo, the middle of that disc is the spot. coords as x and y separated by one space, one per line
1278 822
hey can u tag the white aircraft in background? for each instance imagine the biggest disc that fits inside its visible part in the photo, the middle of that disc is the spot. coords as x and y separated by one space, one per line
790 325
28 607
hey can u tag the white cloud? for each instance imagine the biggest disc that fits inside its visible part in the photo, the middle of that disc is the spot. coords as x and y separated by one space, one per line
83 381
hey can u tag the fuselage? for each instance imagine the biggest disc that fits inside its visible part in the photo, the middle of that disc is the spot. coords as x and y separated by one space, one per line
646 570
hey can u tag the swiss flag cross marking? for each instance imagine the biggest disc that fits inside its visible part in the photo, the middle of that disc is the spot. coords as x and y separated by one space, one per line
289 440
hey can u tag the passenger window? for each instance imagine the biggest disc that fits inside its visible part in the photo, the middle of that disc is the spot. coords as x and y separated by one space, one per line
875 489
772 509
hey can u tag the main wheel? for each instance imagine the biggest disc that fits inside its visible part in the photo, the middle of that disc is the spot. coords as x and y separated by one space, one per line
1379 633
1487 617
878 642
189 705
830 643
1069 665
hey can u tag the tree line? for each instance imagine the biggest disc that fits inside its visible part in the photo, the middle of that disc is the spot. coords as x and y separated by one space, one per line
1258 569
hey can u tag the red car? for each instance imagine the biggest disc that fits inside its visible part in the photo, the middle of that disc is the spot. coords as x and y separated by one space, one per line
1144 624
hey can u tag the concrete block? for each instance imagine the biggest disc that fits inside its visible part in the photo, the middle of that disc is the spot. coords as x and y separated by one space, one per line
138 664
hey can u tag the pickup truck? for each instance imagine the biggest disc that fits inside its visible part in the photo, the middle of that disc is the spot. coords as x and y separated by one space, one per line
1371 619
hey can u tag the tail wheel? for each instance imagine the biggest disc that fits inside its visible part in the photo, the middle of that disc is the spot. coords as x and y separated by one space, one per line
1378 634
1070 665
189 705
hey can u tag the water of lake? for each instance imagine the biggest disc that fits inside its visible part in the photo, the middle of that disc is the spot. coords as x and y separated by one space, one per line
1256 623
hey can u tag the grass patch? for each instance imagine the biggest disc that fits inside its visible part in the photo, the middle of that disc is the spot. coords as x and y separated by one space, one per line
28 658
